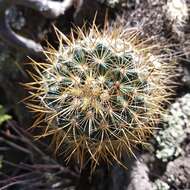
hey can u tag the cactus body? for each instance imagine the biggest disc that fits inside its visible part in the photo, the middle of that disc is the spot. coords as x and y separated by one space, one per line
101 94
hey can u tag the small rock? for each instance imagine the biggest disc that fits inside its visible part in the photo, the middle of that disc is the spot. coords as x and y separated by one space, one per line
178 172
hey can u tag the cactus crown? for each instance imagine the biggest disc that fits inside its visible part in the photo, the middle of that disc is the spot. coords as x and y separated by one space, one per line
99 95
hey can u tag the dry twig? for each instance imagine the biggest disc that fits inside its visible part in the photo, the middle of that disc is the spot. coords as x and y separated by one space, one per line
48 8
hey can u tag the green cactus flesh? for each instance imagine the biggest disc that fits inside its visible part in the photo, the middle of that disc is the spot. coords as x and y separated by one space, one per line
94 94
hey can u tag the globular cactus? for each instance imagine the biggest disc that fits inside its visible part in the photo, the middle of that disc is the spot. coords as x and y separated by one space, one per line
100 94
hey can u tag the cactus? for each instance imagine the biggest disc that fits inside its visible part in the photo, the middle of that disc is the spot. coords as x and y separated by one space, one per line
100 94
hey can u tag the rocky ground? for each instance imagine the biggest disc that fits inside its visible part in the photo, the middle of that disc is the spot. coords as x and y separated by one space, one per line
163 166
